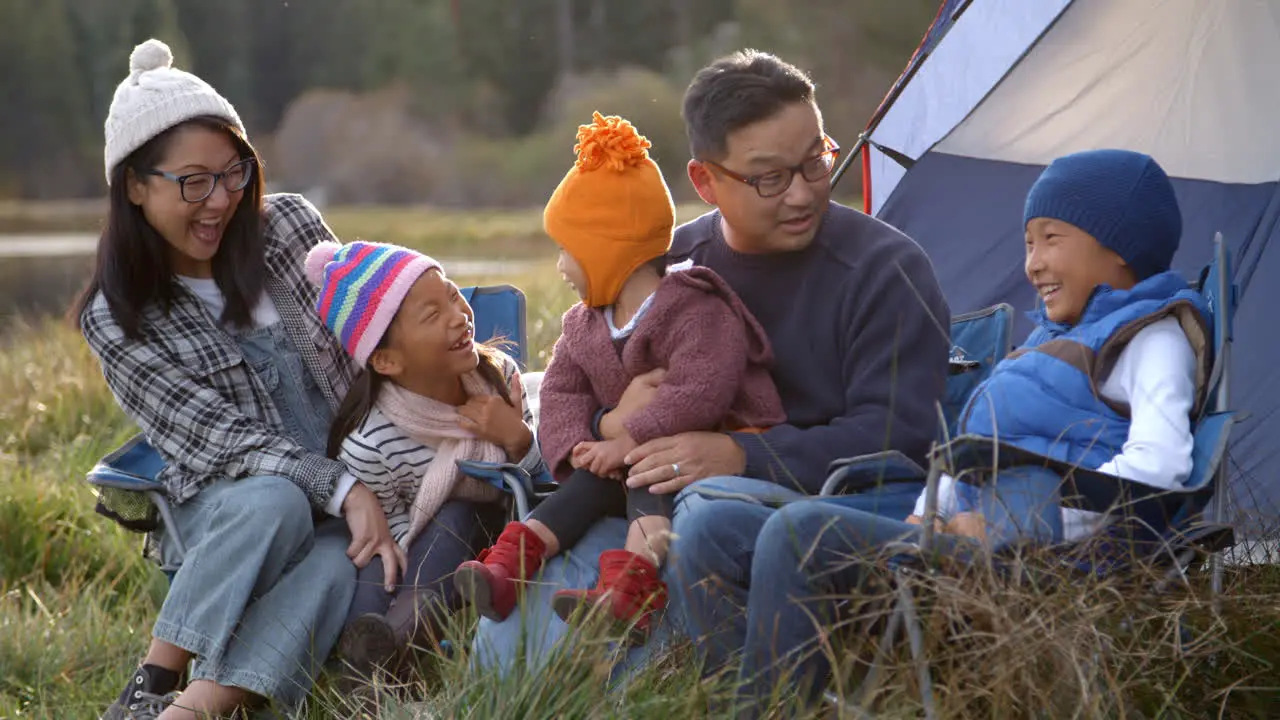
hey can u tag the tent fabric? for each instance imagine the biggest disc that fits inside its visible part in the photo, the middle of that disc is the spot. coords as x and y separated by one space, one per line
1147 75
988 38
947 14
1013 85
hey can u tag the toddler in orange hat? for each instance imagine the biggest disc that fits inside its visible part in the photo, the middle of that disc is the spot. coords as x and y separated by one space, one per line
612 217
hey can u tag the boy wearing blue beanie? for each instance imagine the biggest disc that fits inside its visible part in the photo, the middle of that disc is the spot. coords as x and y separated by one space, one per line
1113 373
1109 380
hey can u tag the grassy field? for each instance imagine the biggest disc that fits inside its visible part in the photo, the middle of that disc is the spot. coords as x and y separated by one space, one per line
77 599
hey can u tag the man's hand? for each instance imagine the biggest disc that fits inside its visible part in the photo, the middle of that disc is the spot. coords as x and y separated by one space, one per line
667 465
639 393
370 535
490 418
603 459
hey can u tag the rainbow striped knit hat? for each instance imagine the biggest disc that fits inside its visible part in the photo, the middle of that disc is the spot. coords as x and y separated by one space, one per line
361 287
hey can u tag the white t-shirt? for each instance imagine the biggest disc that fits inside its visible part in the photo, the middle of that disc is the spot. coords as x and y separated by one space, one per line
1156 376
264 313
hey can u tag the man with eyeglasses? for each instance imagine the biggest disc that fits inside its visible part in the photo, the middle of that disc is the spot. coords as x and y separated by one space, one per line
857 321
858 326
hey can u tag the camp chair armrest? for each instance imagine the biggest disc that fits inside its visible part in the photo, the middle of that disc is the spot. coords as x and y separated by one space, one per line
511 479
856 474
107 477
972 458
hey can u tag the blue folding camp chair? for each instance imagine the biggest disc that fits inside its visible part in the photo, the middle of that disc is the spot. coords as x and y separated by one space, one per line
1158 528
500 315
979 340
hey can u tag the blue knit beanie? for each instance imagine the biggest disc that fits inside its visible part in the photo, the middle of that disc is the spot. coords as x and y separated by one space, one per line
1121 198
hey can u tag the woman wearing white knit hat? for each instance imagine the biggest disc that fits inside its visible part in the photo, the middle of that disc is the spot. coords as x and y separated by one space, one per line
200 314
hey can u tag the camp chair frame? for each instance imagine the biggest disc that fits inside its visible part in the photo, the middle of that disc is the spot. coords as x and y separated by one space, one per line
979 340
500 314
1186 539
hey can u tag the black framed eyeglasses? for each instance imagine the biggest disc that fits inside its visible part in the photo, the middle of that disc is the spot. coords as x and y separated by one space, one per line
776 182
196 187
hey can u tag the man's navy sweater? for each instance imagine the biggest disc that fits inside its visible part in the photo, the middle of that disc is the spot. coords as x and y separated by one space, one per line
859 329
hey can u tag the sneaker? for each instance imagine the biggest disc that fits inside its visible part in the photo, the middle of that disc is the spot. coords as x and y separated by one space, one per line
629 590
489 581
149 692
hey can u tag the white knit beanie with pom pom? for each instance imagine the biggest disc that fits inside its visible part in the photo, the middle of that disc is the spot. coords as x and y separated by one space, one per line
155 97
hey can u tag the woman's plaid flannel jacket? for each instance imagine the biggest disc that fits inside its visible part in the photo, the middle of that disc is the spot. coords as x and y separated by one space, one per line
189 389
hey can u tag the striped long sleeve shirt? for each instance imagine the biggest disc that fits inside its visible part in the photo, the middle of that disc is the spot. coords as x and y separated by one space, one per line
391 464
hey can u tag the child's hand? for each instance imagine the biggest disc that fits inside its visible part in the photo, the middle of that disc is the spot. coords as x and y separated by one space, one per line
914 519
575 456
490 418
969 524
605 458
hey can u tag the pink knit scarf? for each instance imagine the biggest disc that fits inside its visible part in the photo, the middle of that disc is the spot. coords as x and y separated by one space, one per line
435 424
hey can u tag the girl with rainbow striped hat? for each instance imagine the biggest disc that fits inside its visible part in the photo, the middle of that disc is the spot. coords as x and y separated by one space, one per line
426 395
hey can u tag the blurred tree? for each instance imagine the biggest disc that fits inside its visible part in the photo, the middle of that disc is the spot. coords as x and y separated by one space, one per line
482 69
103 35
852 48
513 47
45 127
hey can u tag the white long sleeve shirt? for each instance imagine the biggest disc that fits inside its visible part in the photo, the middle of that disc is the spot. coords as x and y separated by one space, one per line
1156 376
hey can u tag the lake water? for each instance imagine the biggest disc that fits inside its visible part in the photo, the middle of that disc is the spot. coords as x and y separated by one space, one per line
40 275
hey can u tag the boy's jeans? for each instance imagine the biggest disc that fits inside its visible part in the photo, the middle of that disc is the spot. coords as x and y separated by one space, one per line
810 554
716 561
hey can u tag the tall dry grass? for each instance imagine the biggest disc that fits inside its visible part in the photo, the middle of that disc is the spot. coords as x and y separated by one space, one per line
1052 642
77 600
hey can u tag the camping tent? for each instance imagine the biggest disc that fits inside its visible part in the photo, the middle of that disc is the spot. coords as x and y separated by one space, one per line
999 88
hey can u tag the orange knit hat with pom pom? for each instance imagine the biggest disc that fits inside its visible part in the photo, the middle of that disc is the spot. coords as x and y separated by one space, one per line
612 211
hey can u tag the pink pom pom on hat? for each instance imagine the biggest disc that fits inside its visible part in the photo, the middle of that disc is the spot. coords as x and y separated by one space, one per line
361 287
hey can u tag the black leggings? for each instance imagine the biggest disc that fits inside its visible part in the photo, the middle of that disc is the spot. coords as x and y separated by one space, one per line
585 498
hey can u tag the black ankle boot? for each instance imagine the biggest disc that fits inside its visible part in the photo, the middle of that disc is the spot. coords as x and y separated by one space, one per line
366 645
415 618
150 690
375 642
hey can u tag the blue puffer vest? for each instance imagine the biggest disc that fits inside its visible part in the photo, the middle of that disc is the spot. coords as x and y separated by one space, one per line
1044 396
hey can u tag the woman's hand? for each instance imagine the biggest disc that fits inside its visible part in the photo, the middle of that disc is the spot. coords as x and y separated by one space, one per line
370 534
490 418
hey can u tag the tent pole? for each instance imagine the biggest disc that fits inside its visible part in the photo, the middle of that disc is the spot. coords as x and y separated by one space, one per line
1221 490
848 159
917 59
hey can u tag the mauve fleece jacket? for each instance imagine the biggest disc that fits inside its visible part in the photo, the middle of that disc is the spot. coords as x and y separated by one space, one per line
860 334
716 355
